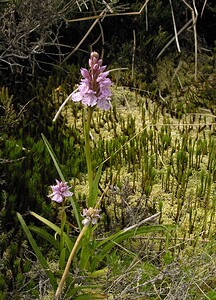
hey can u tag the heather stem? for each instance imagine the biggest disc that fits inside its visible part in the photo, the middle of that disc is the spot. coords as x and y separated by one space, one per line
87 124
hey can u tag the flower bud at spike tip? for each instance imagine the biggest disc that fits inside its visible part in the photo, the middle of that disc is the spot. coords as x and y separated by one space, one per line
94 88
60 191
94 55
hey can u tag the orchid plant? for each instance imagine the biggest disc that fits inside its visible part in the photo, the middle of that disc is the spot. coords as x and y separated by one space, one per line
93 92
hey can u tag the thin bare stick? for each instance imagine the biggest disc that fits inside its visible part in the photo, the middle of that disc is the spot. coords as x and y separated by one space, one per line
174 25
108 6
85 36
194 18
195 15
175 74
102 40
144 5
66 270
127 103
132 13
102 32
187 5
172 39
103 194
133 54
203 8
118 69
63 104
151 218
146 17
77 3
95 42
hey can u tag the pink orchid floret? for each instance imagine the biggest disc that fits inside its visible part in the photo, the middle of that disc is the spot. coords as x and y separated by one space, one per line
60 191
94 88
91 216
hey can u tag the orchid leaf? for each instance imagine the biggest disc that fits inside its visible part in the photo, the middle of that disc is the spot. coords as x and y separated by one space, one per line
91 296
62 259
85 249
105 246
76 289
93 195
55 228
45 235
38 252
54 158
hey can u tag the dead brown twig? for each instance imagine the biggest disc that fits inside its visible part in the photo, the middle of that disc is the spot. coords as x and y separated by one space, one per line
101 16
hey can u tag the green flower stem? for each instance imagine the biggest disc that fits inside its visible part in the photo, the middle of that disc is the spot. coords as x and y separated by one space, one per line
66 270
87 124
62 239
63 221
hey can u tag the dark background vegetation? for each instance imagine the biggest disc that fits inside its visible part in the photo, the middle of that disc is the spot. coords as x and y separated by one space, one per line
36 41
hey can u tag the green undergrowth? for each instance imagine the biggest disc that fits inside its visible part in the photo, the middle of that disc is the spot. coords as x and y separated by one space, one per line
155 161
158 154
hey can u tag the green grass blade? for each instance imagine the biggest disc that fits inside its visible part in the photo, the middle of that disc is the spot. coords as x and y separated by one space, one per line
62 259
57 165
93 195
38 252
54 158
85 252
140 231
105 246
76 289
55 228
91 296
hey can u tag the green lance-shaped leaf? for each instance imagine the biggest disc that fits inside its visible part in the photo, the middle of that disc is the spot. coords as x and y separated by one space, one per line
79 288
86 250
62 240
57 165
93 195
45 235
55 228
107 244
38 252
53 156
91 296
62 258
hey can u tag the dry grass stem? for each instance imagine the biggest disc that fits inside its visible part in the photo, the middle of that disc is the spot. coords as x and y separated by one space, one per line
173 38
85 36
133 54
132 13
174 25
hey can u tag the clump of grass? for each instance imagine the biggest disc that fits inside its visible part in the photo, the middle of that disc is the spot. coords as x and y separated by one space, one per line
188 275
